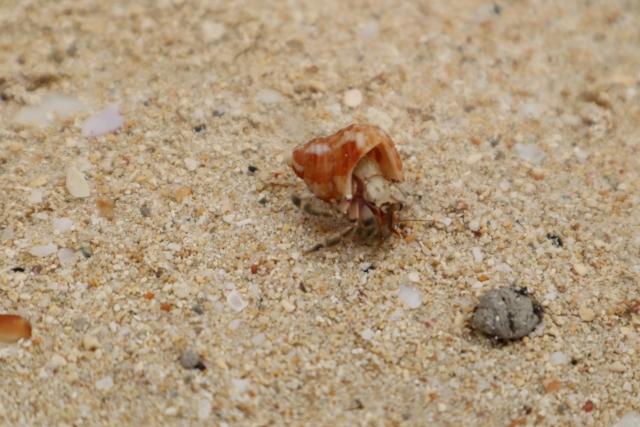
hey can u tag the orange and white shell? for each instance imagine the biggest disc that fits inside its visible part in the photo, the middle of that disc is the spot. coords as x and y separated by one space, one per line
326 164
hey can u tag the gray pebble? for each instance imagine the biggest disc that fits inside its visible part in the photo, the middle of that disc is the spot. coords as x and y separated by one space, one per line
507 313
80 324
145 211
189 359
86 251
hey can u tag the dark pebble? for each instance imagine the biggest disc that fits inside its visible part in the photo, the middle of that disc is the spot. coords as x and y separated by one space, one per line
368 268
86 251
145 211
555 240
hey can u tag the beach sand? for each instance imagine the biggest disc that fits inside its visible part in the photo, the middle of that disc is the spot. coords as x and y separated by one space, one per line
161 263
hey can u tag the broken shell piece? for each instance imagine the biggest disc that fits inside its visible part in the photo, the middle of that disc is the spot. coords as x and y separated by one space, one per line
13 328
327 164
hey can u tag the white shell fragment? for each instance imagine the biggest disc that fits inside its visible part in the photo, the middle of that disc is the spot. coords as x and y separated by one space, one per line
630 419
42 251
530 152
76 184
103 122
268 96
212 31
235 301
53 106
352 98
60 225
67 256
410 296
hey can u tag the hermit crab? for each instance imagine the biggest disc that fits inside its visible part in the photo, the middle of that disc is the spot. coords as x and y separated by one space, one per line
353 170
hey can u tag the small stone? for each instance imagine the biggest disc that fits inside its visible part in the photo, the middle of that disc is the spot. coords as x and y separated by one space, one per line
235 324
13 328
103 122
66 256
235 301
558 358
104 384
60 225
414 277
617 367
204 409
379 118
630 419
367 334
352 98
181 290
268 96
38 181
106 208
555 240
580 269
190 164
410 296
537 173
530 152
80 324
189 359
35 196
42 251
586 313
288 306
90 343
474 158
86 251
145 211
368 29
76 183
552 385
474 225
506 313
6 234
182 193
478 256
53 106
258 339
56 361
580 154
212 31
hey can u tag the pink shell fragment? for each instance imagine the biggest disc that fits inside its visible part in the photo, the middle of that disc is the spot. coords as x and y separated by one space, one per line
103 122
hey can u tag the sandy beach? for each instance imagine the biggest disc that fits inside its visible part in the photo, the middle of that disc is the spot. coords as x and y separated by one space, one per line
147 231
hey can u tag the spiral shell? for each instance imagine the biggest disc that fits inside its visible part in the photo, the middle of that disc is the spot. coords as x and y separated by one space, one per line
326 164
